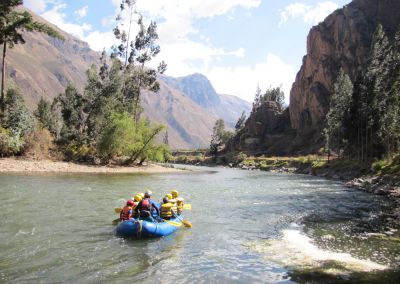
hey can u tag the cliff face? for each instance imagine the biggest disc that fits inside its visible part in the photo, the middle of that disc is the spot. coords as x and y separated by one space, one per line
264 131
343 39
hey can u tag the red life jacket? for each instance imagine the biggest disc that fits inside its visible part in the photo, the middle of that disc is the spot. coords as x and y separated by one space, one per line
125 213
145 205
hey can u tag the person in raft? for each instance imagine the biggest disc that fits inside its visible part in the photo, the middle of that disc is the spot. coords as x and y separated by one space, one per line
126 212
179 201
167 211
146 207
136 199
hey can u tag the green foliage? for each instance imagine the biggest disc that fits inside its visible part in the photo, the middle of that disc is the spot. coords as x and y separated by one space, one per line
387 166
240 123
339 110
271 95
219 136
10 144
374 128
240 157
122 137
72 106
18 119
119 137
80 153
44 115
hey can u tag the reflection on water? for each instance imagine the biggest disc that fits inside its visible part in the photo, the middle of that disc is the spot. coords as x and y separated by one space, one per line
248 227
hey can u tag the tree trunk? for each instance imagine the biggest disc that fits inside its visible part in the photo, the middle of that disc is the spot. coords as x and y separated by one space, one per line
3 74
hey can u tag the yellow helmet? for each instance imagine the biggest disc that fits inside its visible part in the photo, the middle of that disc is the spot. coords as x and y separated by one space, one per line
169 195
175 193
137 198
141 194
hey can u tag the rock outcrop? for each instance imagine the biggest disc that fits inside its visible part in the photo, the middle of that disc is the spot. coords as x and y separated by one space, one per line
263 132
342 40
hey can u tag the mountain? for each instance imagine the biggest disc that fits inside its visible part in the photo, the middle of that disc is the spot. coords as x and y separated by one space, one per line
199 89
43 66
342 40
189 106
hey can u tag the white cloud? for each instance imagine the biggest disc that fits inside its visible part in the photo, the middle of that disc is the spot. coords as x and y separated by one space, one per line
57 17
37 6
310 14
99 41
320 12
82 12
242 81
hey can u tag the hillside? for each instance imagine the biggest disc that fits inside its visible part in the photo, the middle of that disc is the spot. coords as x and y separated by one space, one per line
43 67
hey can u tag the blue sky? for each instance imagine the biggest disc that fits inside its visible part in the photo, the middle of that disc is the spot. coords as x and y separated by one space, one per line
237 44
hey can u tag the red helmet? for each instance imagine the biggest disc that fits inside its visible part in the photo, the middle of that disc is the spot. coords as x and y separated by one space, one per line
129 202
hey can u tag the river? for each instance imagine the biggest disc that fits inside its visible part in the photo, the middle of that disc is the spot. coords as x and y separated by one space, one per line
248 227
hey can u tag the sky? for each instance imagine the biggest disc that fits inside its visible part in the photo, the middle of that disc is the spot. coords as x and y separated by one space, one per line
237 44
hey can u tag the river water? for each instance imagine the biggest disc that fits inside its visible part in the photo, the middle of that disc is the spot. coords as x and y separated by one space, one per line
248 227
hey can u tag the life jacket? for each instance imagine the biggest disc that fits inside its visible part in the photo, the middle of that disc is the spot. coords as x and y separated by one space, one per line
145 205
179 203
166 212
145 208
174 205
125 213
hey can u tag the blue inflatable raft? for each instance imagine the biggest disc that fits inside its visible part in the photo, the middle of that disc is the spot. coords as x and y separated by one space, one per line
135 228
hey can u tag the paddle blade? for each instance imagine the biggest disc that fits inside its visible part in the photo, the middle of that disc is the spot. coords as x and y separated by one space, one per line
116 221
187 206
117 210
187 223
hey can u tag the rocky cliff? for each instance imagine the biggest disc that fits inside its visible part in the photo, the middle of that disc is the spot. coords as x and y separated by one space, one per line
343 39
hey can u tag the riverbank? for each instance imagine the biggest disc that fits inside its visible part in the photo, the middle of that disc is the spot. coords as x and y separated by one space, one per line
380 178
11 165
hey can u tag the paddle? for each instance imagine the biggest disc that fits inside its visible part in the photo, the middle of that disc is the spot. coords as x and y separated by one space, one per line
184 222
116 221
187 206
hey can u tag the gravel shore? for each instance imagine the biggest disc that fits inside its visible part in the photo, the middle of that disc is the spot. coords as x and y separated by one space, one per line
9 165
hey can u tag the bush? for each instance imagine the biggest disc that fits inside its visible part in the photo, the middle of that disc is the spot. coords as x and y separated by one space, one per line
241 157
80 153
10 144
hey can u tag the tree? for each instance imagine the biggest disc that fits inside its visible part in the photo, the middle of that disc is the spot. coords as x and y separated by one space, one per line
12 24
124 137
257 99
72 105
240 123
373 96
44 115
274 95
219 136
136 54
339 109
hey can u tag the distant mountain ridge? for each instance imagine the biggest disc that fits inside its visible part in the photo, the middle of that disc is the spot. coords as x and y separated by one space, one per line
188 105
199 89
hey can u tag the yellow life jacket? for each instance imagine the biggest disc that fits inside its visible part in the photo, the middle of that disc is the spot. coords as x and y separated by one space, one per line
174 205
166 210
179 203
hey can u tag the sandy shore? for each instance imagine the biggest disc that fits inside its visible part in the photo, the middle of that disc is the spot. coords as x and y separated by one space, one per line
9 165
